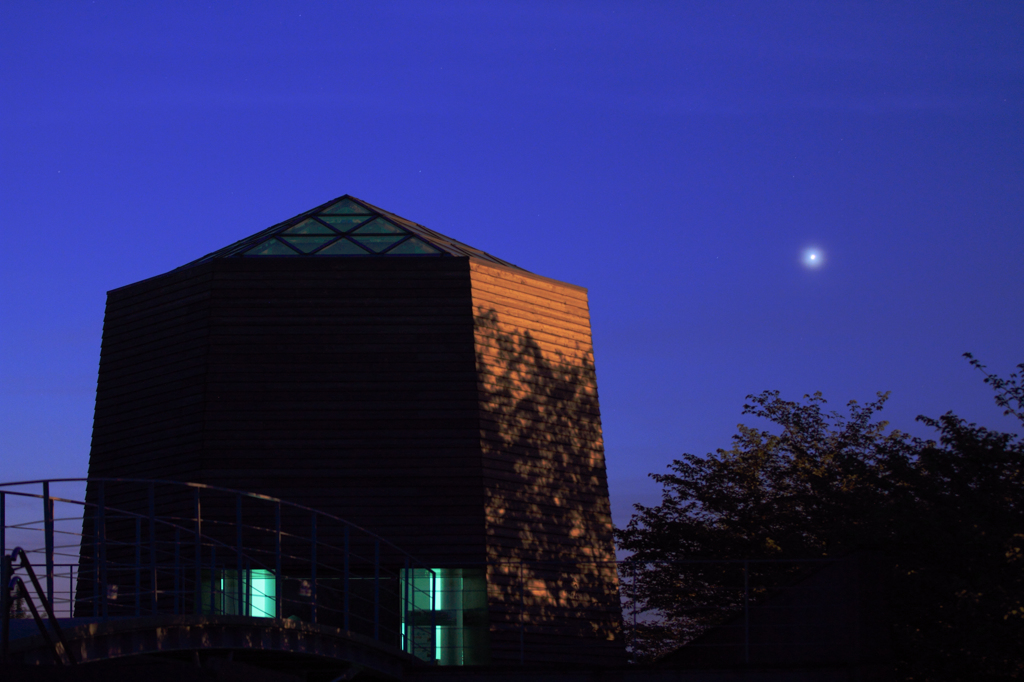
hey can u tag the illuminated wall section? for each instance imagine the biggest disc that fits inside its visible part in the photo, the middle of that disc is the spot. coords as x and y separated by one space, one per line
549 529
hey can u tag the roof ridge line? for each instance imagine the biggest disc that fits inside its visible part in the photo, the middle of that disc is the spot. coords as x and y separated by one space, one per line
435 235
443 243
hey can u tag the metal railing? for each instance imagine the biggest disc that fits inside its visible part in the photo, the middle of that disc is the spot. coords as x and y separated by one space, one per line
51 628
131 547
128 548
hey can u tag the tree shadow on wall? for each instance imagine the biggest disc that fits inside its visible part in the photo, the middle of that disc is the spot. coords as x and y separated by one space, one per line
551 569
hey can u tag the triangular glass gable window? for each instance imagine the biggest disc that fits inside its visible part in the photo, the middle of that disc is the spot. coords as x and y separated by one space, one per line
307 244
271 247
342 247
347 207
414 246
376 244
344 223
309 226
379 226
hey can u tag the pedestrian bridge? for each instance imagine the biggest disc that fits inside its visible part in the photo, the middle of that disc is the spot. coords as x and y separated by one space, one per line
199 573
266 642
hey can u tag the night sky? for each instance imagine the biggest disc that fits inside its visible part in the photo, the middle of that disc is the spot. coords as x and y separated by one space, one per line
674 158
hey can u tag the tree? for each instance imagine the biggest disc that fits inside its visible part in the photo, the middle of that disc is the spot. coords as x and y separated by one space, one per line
947 515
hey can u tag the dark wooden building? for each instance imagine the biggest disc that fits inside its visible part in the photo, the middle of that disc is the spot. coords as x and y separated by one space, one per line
364 365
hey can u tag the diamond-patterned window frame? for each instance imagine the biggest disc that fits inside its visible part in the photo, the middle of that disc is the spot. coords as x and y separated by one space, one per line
348 234
437 244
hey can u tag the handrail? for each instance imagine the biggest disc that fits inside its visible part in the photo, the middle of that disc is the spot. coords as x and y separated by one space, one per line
223 552
62 652
205 486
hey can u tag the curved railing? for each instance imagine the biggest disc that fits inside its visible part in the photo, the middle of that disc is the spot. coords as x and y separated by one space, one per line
140 547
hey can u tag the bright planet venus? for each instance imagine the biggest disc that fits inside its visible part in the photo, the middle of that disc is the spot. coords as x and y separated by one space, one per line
813 258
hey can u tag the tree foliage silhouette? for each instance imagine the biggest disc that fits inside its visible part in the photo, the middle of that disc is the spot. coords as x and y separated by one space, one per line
945 515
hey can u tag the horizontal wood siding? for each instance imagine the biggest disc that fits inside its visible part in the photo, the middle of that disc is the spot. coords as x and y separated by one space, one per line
150 396
348 385
544 473
150 400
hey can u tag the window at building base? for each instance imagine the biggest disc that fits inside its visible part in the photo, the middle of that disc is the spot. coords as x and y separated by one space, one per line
444 617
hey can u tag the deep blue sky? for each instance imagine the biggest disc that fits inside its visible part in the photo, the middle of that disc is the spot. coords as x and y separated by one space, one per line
675 158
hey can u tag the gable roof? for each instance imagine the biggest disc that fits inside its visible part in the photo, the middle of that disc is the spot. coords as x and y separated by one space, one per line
348 227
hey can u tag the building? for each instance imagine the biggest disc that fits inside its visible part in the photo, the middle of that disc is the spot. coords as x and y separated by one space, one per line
364 365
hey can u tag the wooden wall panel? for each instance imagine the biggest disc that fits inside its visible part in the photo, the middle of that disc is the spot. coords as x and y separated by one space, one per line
150 393
544 474
349 385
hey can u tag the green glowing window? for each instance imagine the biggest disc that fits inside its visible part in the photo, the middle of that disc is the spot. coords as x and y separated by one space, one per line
344 223
376 244
414 246
343 247
271 247
309 226
346 207
308 244
444 615
380 226
220 593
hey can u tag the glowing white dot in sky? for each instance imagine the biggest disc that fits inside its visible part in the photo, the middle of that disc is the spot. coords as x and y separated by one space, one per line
813 258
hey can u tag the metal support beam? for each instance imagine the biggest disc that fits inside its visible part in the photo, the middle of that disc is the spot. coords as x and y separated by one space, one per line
278 595
177 571
312 576
406 579
376 590
101 533
152 549
345 585
198 559
213 581
48 533
5 563
138 566
239 582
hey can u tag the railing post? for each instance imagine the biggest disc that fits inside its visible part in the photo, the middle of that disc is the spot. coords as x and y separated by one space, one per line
213 580
239 583
177 571
345 586
101 532
5 616
95 562
152 547
60 653
198 588
5 609
48 532
312 577
405 610
278 596
376 590
138 566
248 586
